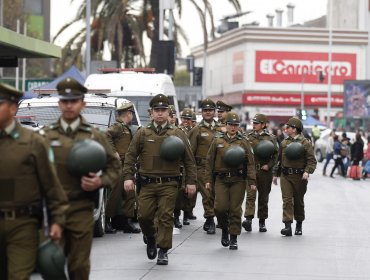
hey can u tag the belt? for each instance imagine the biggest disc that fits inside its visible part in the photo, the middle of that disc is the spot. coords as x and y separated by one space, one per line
291 170
26 211
159 180
238 173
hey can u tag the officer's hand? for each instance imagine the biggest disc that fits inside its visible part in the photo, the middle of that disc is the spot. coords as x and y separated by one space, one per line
91 182
265 167
129 185
305 176
55 232
208 186
274 180
253 187
191 190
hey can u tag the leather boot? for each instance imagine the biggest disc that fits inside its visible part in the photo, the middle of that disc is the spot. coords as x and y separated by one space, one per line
191 215
206 224
162 257
185 221
247 224
176 219
287 231
225 241
298 228
130 227
262 225
233 242
212 227
151 247
109 229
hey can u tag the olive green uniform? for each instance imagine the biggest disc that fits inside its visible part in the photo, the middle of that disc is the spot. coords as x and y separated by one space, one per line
159 178
263 178
78 233
293 188
229 183
201 137
26 175
120 136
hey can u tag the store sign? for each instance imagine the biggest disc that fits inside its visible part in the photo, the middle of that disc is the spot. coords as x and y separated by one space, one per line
276 111
298 67
36 83
290 99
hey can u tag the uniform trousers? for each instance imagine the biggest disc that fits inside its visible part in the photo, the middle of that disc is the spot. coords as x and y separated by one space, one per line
208 195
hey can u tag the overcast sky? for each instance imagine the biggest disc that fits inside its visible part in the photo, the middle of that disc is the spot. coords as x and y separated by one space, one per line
62 11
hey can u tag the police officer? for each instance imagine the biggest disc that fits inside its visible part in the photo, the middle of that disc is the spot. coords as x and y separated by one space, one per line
230 170
186 120
222 110
172 118
62 135
266 150
26 176
201 138
194 120
120 135
296 161
160 176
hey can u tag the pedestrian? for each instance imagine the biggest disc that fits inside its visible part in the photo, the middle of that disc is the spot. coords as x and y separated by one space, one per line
27 176
338 161
120 135
67 132
315 133
265 157
357 150
329 151
296 161
222 110
201 138
229 168
160 149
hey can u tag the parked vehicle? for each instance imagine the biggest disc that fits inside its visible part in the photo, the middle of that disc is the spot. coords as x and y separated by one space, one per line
100 111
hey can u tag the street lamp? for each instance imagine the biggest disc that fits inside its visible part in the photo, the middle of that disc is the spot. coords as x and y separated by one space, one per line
330 16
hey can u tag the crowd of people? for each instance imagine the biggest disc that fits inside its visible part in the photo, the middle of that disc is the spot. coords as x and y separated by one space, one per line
152 174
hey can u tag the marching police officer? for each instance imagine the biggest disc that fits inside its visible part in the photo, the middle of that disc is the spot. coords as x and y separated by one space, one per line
266 150
201 138
194 120
65 134
222 110
161 149
296 161
230 161
120 135
172 118
26 176
186 120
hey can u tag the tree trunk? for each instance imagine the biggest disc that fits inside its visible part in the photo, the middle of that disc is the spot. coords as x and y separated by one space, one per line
155 40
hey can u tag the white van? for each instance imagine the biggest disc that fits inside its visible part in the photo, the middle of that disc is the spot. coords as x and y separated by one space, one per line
138 87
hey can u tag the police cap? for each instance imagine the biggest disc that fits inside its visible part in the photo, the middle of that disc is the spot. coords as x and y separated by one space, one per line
232 118
9 93
221 106
187 113
260 118
172 109
70 89
128 106
295 123
207 104
159 101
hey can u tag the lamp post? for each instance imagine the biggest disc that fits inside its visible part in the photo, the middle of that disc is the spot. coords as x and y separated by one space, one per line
330 20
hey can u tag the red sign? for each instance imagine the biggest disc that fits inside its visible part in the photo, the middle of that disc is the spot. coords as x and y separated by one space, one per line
291 99
298 67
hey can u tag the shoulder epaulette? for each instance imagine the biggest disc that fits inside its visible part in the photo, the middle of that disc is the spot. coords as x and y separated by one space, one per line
219 134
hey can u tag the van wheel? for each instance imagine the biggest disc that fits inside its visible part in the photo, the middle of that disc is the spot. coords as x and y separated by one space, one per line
319 156
99 227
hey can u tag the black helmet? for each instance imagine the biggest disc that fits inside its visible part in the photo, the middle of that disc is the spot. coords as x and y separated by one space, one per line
86 156
234 156
51 261
172 148
294 151
264 149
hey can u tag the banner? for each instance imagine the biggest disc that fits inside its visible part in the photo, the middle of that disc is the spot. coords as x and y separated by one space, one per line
357 99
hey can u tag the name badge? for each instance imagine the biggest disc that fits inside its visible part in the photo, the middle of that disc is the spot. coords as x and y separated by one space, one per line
204 134
220 145
55 143
151 140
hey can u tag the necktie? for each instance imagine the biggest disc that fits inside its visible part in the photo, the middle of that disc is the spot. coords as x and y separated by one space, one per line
159 129
69 131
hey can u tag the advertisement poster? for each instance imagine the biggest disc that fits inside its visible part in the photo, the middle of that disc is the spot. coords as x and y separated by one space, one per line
357 99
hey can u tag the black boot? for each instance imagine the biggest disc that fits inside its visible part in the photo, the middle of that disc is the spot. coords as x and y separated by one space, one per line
176 219
298 228
212 227
109 229
233 242
262 225
130 227
287 231
145 240
225 241
151 247
247 224
191 215
185 221
206 224
162 257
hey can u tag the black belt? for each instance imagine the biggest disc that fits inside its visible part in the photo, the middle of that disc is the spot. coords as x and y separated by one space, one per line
238 173
159 180
26 211
291 170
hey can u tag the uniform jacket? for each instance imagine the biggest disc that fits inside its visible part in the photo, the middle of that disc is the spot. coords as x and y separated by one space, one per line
218 147
254 138
144 149
62 144
27 174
